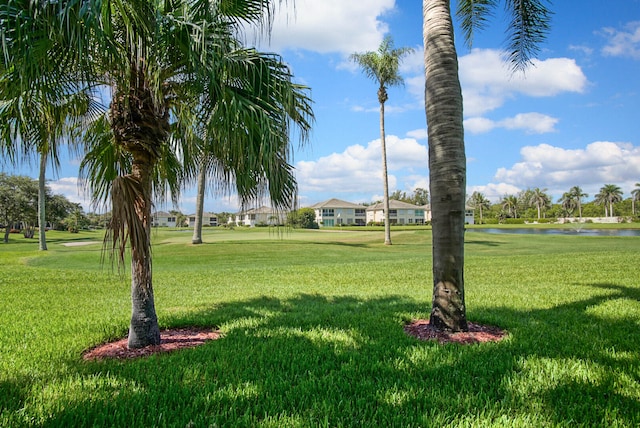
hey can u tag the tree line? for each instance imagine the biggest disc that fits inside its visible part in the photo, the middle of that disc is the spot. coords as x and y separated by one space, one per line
536 203
19 209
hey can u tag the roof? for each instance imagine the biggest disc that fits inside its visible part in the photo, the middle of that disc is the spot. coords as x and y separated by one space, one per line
261 210
336 203
394 204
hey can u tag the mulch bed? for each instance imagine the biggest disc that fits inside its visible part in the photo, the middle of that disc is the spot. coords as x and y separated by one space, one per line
170 340
190 337
422 330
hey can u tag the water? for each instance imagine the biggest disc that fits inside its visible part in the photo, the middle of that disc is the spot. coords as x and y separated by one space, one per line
574 231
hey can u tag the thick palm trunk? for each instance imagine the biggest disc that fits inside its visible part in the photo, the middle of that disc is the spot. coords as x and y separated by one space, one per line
385 179
42 218
197 227
143 329
447 166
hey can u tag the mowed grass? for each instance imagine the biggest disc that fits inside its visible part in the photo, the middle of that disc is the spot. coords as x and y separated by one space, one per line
312 324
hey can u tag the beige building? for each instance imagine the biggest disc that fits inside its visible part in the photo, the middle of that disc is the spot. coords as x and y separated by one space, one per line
399 213
335 212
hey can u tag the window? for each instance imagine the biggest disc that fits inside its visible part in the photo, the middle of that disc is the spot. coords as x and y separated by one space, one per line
327 212
393 213
252 216
171 219
419 213
328 223
361 212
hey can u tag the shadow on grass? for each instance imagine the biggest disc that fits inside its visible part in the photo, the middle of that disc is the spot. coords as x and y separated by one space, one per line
314 360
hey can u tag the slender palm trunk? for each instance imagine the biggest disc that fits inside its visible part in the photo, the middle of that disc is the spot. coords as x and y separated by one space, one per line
143 329
385 179
42 218
197 227
579 209
447 166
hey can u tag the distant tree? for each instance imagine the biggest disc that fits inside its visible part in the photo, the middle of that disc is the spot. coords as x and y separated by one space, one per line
479 202
58 208
382 66
181 219
18 203
420 196
303 218
635 197
609 194
568 203
510 205
577 194
540 200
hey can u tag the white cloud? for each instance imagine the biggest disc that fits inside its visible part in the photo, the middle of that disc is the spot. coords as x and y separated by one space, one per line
330 26
531 123
487 82
418 134
71 189
358 169
494 191
597 164
624 43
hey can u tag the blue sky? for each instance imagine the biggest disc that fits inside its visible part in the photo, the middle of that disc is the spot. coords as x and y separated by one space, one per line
572 119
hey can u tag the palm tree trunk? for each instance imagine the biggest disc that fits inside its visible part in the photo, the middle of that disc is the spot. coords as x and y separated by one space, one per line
447 166
197 227
42 218
385 180
143 329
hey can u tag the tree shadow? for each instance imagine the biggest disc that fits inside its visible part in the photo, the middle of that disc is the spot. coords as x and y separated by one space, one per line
345 361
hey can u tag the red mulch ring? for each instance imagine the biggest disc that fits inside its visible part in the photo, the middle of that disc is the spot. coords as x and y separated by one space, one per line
422 330
170 340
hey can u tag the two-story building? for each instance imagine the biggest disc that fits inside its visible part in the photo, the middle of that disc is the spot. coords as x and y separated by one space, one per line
208 219
335 212
399 213
163 219
262 216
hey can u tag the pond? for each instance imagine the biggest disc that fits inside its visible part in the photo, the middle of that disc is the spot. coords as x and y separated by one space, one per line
572 231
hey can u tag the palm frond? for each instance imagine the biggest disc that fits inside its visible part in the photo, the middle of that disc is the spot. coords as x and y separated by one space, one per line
528 27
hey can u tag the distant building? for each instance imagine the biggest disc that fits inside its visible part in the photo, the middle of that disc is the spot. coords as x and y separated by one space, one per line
335 212
208 219
263 216
163 219
399 213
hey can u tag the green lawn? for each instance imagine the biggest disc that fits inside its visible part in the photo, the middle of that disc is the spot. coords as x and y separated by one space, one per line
312 324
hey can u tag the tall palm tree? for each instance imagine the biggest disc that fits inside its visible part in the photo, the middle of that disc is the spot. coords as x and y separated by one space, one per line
577 194
33 121
510 205
162 61
635 197
609 194
540 200
568 203
382 66
480 202
447 162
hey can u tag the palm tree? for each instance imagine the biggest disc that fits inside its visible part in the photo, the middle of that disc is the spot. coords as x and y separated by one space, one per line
539 199
162 61
635 197
447 161
480 202
510 205
609 194
568 203
577 194
34 121
382 66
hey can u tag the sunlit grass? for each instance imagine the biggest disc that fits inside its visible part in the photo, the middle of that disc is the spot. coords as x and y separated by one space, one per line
312 325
